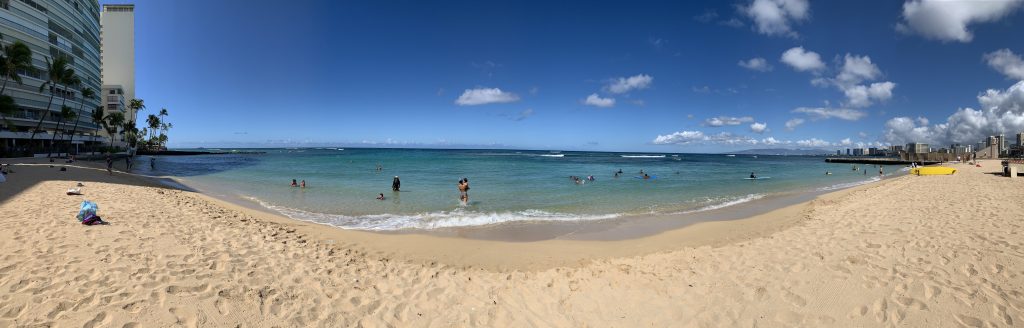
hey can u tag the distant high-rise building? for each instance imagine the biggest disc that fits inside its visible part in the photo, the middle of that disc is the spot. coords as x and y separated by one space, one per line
896 148
1020 139
117 30
918 148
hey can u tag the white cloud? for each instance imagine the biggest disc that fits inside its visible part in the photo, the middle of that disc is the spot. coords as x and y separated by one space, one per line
771 141
482 96
793 123
680 137
845 142
851 79
756 64
1007 63
862 134
827 113
947 20
727 120
595 100
758 128
1002 111
775 17
695 137
802 60
703 89
626 84
813 143
857 69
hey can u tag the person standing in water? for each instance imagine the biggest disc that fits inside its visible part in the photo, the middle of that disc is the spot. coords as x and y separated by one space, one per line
464 190
396 184
303 184
295 183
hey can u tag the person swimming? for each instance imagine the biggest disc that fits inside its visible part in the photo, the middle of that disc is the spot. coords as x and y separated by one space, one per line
828 173
294 183
590 177
646 177
380 196
303 183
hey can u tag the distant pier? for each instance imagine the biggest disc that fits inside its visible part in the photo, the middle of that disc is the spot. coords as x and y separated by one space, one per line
876 160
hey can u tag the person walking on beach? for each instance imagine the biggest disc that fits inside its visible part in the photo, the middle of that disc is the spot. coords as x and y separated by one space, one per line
110 165
396 184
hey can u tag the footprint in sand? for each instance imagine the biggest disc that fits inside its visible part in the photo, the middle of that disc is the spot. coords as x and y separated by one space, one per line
100 320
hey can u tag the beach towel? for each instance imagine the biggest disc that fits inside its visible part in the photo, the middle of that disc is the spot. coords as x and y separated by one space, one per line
93 220
74 191
88 208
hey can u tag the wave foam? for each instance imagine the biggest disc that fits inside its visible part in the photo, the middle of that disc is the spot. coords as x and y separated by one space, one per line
723 203
428 221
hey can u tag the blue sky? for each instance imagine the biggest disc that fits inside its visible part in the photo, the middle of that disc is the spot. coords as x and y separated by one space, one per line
519 73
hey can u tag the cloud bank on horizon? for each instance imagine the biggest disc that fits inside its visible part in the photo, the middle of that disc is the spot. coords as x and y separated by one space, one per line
863 83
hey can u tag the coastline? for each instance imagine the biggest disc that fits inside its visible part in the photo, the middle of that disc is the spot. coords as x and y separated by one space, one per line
895 250
621 227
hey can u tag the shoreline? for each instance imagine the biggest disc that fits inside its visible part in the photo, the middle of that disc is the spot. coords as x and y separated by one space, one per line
492 252
626 227
909 251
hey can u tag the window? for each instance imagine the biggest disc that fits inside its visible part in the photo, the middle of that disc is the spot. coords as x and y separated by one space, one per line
112 92
111 106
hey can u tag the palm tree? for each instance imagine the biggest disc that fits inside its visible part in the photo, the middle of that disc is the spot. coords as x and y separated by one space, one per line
131 134
7 107
65 112
97 118
164 126
113 121
153 122
87 93
57 72
16 56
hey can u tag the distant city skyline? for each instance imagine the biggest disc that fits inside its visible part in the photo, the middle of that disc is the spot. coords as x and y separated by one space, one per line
664 76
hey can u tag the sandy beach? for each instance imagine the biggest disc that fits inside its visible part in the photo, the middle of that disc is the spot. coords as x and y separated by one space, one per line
929 251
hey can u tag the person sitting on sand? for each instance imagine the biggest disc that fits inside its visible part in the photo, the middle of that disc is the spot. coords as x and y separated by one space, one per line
380 196
294 183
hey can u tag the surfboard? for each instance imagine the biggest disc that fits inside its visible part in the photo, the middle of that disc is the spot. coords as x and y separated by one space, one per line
652 177
757 178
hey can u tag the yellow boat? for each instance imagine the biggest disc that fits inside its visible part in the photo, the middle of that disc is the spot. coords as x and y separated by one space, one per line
933 170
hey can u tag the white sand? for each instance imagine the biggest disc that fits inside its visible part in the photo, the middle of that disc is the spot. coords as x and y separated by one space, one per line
931 251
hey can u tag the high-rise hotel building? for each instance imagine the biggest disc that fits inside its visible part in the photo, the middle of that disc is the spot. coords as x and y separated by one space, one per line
51 29
117 35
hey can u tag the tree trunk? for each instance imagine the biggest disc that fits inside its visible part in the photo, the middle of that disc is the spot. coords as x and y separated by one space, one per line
78 118
40 124
5 85
63 101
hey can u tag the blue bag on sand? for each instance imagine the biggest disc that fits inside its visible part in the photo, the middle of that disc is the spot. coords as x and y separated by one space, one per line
88 209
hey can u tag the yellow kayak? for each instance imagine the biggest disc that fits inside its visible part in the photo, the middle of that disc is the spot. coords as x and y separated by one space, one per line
933 170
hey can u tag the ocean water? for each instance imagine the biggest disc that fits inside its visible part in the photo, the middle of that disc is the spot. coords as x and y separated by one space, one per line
506 185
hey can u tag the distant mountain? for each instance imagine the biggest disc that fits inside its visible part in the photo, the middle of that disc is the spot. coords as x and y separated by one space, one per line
783 151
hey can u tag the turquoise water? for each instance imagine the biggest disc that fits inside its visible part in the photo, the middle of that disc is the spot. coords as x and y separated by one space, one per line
506 185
